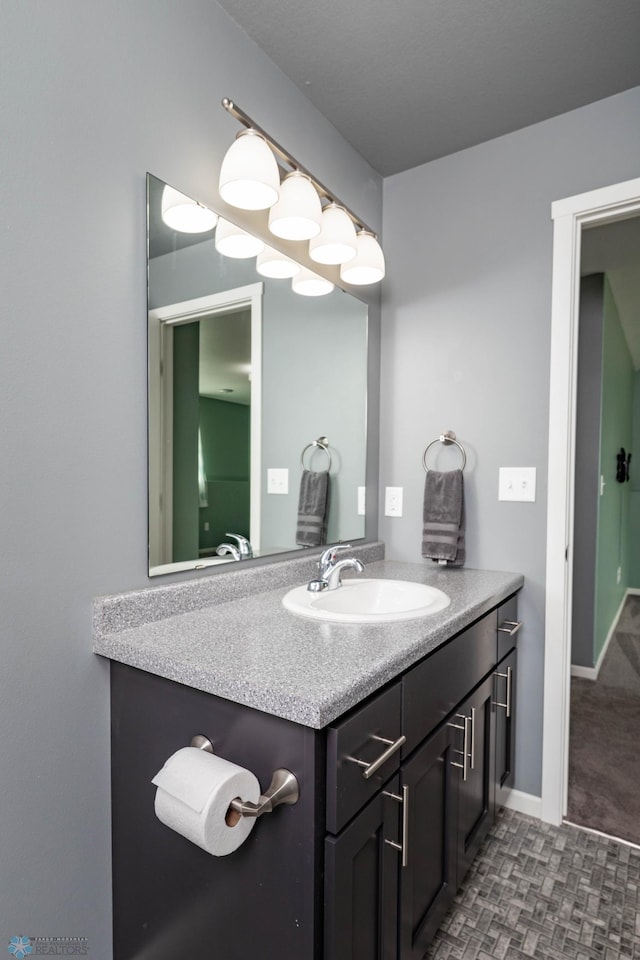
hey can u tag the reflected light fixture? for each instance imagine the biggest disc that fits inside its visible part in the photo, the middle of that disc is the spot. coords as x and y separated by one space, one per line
368 264
233 241
185 215
249 176
336 242
272 263
309 284
298 213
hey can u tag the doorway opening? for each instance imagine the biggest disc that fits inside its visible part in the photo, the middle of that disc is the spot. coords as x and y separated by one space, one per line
570 216
204 450
604 765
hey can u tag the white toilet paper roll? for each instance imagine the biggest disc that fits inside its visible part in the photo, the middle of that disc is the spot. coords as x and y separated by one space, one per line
194 791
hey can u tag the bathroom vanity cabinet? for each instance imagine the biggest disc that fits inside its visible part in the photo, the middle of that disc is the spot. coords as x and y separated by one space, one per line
362 867
391 873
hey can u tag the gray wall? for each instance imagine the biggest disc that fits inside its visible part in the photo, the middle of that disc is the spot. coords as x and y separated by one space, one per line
466 337
616 431
314 351
94 95
324 365
587 485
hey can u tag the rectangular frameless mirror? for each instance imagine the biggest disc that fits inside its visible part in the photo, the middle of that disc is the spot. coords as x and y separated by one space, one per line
244 376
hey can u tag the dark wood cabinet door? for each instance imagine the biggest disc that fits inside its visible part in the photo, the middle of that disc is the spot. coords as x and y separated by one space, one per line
361 882
476 786
505 707
427 881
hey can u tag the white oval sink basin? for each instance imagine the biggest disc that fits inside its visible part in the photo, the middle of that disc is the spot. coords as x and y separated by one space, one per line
367 601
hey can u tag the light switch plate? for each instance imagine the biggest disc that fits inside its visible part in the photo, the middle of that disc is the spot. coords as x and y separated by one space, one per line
277 480
517 483
362 501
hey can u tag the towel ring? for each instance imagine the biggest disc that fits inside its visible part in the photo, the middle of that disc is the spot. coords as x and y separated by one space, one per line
447 438
323 444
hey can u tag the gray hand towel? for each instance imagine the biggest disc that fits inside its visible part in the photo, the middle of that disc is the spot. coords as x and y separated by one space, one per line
313 508
443 517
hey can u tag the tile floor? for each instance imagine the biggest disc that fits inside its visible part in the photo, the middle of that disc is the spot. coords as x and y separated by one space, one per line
551 893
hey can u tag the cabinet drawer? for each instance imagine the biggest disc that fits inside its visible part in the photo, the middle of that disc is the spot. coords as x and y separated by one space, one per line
435 686
507 621
364 735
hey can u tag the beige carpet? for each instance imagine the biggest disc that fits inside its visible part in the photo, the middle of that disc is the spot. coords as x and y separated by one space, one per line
604 739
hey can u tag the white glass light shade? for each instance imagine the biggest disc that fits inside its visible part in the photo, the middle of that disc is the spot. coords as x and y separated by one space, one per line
234 242
368 264
309 284
298 213
336 242
249 176
184 214
272 263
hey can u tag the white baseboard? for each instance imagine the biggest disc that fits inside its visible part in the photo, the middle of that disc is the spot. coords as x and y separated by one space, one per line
591 673
586 673
525 803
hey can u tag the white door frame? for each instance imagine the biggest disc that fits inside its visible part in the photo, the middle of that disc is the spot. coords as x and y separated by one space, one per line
161 423
607 204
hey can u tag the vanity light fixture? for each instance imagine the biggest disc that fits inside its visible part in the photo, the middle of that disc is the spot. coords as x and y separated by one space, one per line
309 284
272 263
233 241
336 242
368 264
298 215
185 215
249 176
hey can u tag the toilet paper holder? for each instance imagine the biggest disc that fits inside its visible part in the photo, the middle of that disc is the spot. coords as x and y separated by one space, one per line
282 789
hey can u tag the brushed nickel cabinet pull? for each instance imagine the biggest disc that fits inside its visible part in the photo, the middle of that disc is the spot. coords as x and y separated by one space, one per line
510 626
472 722
405 826
403 847
374 766
508 676
465 744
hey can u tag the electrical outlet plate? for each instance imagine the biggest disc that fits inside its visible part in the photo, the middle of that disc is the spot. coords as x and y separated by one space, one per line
393 501
362 501
277 480
517 483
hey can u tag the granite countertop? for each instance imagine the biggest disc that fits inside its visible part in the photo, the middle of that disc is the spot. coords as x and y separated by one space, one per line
254 652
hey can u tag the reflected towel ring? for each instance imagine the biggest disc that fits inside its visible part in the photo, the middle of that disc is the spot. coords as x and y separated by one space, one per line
323 444
447 438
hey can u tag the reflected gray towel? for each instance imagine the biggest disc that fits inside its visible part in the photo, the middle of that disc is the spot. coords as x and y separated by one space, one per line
443 519
313 508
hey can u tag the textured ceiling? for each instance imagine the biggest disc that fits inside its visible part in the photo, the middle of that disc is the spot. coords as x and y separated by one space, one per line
412 80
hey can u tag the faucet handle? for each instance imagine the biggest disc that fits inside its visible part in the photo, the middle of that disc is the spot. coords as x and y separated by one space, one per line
244 546
329 555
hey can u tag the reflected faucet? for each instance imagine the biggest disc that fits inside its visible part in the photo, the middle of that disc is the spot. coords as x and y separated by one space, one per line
330 568
243 550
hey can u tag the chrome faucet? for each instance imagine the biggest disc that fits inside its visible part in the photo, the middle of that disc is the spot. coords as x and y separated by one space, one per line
243 550
228 549
330 568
